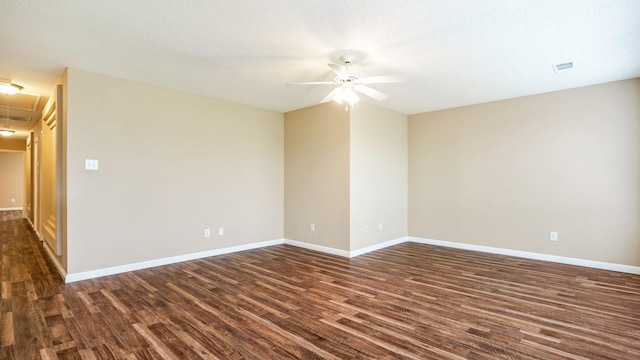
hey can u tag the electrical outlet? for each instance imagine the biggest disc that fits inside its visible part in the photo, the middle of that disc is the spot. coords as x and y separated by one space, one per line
553 236
313 227
221 231
90 164
380 227
207 232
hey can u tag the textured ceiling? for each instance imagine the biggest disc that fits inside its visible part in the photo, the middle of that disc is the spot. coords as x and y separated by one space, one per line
453 53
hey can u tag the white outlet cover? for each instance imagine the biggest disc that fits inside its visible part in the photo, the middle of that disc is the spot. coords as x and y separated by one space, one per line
90 164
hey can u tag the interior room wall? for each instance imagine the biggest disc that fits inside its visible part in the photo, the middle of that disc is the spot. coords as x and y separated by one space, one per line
505 174
317 175
12 144
170 164
11 180
378 175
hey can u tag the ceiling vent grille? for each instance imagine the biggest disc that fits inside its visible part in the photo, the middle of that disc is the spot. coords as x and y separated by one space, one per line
563 66
14 118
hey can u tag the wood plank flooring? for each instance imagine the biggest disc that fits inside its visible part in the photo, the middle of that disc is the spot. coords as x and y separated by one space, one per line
10 215
409 301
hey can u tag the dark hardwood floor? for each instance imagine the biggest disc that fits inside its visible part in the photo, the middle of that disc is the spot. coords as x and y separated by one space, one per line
407 301
10 215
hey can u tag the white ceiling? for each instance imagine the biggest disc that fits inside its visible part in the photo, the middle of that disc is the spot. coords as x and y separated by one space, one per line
453 53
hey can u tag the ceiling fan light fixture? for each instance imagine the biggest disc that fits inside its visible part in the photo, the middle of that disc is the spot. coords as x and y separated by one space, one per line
9 88
349 82
346 95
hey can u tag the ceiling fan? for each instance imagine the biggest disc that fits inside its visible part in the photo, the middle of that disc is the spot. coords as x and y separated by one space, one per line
349 81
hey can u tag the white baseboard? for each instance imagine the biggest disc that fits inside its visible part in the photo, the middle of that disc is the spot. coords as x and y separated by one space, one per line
11 209
333 251
54 260
531 255
166 261
320 248
52 256
35 230
375 247
33 227
85 275
345 253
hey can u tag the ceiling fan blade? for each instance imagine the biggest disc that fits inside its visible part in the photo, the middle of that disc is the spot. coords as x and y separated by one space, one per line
340 70
372 93
330 96
381 79
311 83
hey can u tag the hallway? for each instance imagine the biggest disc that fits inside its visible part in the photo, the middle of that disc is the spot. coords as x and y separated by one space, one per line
27 279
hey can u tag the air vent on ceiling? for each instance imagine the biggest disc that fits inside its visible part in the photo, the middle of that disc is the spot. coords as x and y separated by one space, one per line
14 118
563 66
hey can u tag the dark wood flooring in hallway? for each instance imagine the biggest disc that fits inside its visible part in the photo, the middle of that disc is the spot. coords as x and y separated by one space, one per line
407 301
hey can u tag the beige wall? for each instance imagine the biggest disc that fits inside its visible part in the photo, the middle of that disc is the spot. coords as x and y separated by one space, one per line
378 175
500 174
345 172
504 174
317 175
11 179
170 165
12 144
